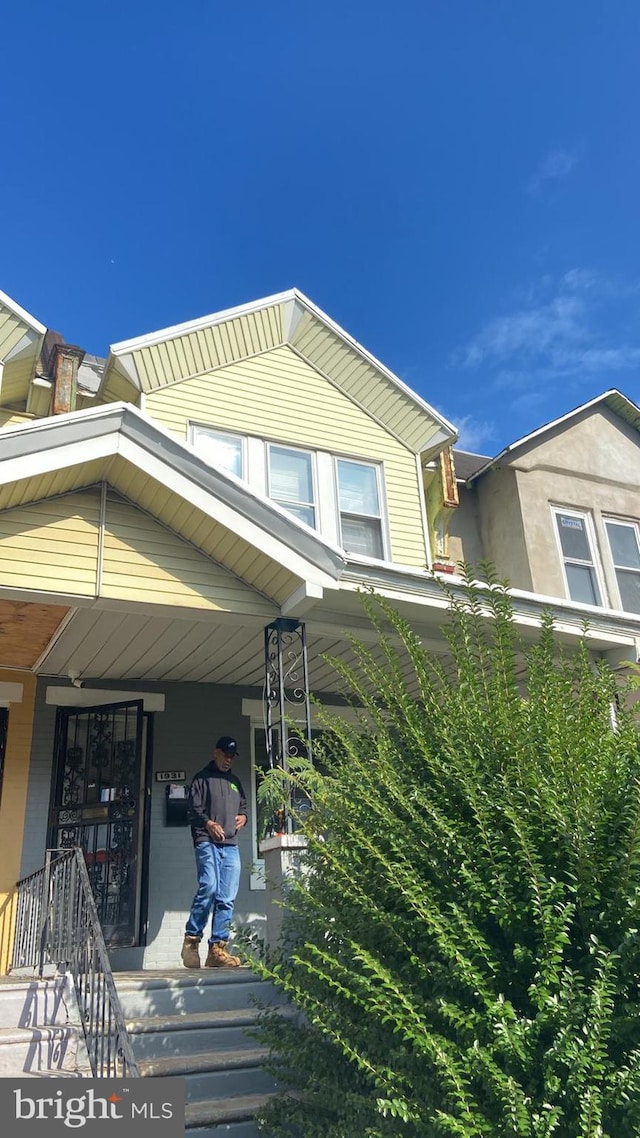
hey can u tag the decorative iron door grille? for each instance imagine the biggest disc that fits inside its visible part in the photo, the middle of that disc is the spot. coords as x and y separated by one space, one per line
98 802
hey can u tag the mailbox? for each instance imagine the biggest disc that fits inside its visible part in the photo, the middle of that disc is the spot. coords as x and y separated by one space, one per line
175 804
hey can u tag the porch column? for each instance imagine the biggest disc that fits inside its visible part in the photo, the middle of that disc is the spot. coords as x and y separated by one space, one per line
13 802
287 707
283 860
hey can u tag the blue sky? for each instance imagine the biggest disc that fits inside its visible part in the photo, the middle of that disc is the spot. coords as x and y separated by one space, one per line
457 184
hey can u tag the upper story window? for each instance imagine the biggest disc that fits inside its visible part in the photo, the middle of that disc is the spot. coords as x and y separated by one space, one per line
291 482
343 498
577 547
359 507
624 545
220 449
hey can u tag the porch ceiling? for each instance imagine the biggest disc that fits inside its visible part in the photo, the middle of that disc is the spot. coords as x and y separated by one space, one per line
25 631
113 644
112 640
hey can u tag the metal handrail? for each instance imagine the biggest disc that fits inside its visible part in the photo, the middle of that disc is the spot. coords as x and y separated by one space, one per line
57 923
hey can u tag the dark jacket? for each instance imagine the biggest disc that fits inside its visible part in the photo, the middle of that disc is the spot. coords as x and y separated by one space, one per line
215 796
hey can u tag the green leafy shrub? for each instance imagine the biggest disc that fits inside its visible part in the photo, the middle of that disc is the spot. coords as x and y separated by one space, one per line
464 949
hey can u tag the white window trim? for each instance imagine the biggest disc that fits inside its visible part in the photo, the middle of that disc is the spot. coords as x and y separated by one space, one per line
633 524
382 517
208 428
269 443
586 516
255 459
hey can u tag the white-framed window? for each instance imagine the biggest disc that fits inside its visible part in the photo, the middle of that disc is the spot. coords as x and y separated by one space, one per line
341 497
359 507
624 547
291 481
221 449
577 551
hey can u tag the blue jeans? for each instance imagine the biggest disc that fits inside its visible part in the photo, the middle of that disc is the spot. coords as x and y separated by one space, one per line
218 869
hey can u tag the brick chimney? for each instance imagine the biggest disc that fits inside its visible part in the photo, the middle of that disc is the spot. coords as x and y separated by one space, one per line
64 361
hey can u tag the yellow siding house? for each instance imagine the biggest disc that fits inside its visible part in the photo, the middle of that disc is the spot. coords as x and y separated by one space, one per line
161 512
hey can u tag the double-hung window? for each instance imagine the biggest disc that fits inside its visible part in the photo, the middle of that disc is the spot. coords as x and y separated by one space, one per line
220 449
624 544
578 558
359 500
291 482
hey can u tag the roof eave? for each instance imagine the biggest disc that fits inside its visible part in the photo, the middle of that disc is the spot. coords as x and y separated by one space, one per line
22 314
134 426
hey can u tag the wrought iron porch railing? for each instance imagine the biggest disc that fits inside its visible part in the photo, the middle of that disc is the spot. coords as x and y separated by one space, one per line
57 923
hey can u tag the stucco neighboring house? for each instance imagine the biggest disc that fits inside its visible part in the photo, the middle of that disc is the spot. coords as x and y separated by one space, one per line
207 500
558 511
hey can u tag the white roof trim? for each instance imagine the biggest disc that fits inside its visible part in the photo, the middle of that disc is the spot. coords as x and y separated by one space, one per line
22 314
401 583
291 296
185 329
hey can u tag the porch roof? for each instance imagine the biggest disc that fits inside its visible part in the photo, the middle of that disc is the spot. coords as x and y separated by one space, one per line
245 533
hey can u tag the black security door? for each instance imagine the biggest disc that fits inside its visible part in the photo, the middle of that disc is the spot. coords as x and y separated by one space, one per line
98 799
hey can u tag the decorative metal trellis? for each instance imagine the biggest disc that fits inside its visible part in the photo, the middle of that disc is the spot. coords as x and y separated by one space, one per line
288 710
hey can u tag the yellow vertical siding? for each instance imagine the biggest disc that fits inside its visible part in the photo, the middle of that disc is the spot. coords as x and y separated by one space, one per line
279 396
52 545
12 330
143 561
13 804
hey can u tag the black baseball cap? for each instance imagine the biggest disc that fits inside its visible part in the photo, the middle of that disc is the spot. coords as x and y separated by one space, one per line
227 744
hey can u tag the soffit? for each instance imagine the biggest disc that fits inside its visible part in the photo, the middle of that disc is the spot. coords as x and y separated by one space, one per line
21 339
112 641
200 347
111 644
27 628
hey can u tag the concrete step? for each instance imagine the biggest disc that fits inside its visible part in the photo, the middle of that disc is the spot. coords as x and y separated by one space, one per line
157 1037
181 993
211 1075
38 1050
24 1002
230 1116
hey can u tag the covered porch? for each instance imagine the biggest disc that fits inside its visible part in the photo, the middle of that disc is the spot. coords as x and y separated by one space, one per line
136 584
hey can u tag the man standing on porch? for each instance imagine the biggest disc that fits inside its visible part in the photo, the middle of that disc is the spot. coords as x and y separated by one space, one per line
217 811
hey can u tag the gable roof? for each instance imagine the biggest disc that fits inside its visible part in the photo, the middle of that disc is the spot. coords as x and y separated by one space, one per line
613 399
150 362
239 529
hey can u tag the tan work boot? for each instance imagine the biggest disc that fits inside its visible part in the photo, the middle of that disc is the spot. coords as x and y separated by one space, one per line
218 957
190 953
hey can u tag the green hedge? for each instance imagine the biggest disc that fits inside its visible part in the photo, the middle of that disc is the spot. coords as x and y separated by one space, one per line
464 950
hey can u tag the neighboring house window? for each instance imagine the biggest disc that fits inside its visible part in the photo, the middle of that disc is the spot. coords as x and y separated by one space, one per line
220 449
291 482
359 506
576 544
624 544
